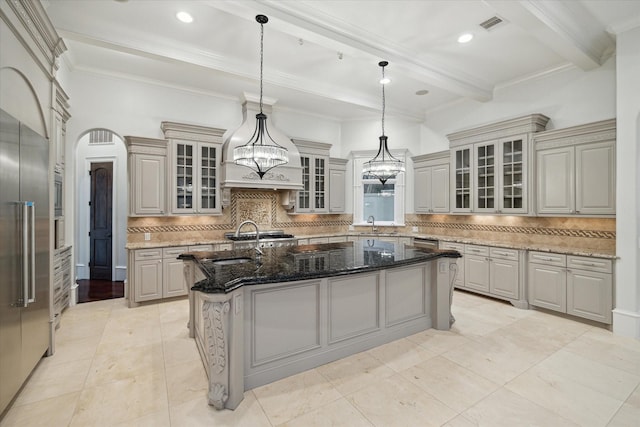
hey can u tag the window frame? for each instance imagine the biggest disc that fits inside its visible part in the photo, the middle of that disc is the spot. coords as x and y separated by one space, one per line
359 158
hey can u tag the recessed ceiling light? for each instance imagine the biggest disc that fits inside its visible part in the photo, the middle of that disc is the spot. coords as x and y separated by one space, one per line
184 17
465 38
422 92
385 81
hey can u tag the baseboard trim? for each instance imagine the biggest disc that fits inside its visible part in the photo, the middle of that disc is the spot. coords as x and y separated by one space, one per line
626 323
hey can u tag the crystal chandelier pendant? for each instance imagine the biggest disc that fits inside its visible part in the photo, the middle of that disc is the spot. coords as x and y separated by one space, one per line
261 153
383 166
258 155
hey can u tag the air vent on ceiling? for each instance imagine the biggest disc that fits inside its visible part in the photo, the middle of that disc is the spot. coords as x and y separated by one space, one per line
491 23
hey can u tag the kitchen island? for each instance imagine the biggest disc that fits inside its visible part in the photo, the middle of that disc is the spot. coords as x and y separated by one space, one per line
260 318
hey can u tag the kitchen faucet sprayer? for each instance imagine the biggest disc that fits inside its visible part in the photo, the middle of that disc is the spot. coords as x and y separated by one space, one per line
258 250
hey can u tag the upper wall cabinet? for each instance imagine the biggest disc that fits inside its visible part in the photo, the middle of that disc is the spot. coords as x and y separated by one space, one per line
576 170
314 159
147 162
194 168
431 186
59 120
490 170
337 185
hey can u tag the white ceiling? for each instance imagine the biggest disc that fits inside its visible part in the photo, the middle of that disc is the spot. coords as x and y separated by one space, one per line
321 56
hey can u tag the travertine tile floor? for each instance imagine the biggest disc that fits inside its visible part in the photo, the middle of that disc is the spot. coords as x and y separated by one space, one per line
498 366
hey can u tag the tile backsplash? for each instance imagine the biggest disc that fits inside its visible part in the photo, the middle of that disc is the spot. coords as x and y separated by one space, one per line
266 209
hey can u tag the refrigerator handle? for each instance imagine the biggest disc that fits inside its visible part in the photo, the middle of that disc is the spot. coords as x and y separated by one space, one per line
32 253
25 254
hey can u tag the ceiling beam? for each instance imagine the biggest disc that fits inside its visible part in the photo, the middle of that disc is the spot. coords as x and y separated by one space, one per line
566 27
303 22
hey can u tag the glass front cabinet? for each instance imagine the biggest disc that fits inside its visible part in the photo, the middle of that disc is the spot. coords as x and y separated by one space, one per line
490 171
194 182
501 176
461 180
194 185
314 159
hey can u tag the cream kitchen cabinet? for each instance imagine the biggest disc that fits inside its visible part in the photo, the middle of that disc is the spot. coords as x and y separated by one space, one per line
146 161
576 285
576 170
147 283
194 165
461 179
337 185
494 271
314 159
577 180
490 170
431 185
157 273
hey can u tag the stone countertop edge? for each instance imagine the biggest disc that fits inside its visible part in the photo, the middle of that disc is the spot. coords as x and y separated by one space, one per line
598 253
231 279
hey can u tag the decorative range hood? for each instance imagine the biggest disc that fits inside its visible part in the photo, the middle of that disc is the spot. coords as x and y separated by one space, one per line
284 177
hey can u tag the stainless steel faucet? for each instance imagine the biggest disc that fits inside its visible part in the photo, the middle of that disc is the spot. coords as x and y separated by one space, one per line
258 250
372 220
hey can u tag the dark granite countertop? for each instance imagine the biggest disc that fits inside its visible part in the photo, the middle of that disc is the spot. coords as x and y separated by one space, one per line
293 263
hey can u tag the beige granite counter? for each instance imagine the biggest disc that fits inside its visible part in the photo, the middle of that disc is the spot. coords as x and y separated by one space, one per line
600 253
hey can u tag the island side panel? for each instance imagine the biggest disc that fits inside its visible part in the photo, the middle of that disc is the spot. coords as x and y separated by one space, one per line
354 307
408 296
356 312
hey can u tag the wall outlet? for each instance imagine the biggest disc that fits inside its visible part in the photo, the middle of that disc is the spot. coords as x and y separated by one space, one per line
351 227
147 236
414 229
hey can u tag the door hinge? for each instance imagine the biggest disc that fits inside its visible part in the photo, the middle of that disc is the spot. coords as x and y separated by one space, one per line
89 202
89 173
89 234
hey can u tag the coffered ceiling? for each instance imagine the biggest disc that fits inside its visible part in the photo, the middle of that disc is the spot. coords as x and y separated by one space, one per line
321 56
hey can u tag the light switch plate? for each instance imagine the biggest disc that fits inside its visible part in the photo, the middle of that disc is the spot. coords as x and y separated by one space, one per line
414 229
147 236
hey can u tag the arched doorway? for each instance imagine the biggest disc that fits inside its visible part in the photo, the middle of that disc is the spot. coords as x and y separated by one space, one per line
101 215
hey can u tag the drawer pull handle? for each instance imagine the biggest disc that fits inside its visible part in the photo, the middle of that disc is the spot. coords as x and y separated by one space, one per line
592 264
545 258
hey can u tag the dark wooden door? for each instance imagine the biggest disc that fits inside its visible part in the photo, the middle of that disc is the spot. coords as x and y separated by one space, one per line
101 226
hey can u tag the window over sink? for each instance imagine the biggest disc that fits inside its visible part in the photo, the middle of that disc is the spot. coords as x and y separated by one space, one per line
386 203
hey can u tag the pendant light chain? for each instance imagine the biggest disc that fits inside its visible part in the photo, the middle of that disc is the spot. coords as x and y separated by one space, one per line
261 60
383 166
383 102
261 153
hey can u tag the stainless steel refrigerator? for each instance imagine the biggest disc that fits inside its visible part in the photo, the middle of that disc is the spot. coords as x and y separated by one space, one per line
24 254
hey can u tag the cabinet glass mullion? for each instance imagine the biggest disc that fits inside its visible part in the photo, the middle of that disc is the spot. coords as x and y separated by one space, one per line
512 174
304 195
463 179
207 177
184 176
319 175
485 177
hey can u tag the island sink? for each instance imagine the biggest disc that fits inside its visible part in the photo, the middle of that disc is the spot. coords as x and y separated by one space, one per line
228 261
